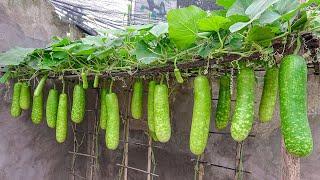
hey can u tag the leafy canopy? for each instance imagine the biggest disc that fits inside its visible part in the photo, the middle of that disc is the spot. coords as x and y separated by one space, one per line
242 27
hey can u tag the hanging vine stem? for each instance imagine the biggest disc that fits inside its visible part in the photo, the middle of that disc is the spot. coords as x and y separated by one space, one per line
95 139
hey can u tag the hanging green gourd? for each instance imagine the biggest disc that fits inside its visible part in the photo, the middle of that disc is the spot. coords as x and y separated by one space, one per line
137 99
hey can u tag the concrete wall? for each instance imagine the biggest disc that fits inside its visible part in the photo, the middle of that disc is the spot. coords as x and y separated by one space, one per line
27 151
28 23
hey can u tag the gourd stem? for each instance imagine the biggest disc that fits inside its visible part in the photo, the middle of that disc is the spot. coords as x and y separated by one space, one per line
110 88
162 78
296 51
63 85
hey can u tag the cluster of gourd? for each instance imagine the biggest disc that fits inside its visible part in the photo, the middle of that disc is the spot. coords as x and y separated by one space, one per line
291 79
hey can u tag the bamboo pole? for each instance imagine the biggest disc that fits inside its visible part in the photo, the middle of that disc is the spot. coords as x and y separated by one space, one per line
201 169
290 165
238 165
149 167
126 145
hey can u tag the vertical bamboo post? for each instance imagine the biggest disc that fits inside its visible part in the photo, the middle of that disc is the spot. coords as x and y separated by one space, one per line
89 147
201 169
290 165
126 144
94 165
238 165
73 162
149 167
126 151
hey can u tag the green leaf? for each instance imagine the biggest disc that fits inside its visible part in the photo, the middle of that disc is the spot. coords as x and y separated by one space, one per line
159 29
83 49
213 23
258 7
144 54
239 7
269 16
59 54
94 40
277 27
183 25
300 23
57 41
225 3
238 26
260 35
14 56
285 6
114 43
253 11
48 63
101 54
289 14
234 41
205 49
138 27
66 48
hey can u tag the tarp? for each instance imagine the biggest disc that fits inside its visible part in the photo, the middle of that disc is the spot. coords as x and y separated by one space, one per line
96 15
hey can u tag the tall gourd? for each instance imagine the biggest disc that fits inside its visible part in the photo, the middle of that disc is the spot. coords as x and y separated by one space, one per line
62 118
25 96
78 104
201 115
40 86
151 87
137 100
113 121
84 78
242 119
151 124
37 108
224 103
293 106
15 106
162 113
52 108
103 108
269 94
